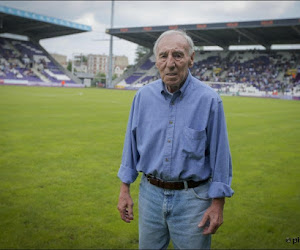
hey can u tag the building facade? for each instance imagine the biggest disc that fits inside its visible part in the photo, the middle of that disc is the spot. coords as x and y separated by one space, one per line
99 64
120 65
61 59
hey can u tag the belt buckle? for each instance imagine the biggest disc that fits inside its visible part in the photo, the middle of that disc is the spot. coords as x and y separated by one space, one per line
148 176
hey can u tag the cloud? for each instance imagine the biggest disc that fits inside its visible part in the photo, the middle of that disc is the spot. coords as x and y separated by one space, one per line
145 13
149 13
69 10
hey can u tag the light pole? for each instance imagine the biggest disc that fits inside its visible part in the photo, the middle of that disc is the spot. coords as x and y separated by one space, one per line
108 62
109 82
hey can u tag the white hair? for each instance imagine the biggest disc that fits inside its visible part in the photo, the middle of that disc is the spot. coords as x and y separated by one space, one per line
179 32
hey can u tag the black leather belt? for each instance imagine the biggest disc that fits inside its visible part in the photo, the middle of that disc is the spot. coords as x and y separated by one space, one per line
175 185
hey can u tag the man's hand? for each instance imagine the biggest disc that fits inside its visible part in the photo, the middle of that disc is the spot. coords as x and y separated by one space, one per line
213 215
125 205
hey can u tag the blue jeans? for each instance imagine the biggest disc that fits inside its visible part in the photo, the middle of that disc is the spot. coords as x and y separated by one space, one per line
166 215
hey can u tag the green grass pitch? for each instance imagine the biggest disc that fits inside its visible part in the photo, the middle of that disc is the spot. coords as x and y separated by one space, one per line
60 150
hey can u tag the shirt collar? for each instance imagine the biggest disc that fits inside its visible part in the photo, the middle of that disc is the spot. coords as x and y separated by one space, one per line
181 90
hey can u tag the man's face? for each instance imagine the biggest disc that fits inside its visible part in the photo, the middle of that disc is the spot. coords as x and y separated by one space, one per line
173 60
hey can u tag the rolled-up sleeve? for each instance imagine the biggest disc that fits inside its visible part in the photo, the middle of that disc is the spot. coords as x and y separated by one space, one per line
127 172
219 153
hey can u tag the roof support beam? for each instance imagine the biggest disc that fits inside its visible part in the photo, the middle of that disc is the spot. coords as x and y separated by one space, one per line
207 39
252 37
151 35
135 40
296 29
192 34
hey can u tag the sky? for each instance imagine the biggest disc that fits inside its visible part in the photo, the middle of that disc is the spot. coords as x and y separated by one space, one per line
97 14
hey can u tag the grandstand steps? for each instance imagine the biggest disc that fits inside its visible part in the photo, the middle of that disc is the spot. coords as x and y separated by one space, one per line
3 61
41 76
17 54
297 63
21 64
224 74
280 75
15 61
18 62
208 73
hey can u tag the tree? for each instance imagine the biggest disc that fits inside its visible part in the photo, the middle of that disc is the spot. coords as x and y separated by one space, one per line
114 76
128 67
69 67
84 59
99 78
140 52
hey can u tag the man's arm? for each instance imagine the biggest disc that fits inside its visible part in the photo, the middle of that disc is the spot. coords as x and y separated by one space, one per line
130 157
221 165
213 215
125 205
219 154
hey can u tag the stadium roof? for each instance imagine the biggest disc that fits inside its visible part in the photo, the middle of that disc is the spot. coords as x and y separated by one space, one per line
35 25
260 32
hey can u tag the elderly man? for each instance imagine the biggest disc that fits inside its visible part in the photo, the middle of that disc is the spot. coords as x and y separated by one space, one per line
176 136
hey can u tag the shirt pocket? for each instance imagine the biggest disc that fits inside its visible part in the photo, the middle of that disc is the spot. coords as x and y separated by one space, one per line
194 142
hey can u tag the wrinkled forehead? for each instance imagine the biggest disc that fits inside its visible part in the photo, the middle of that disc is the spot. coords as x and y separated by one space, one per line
173 42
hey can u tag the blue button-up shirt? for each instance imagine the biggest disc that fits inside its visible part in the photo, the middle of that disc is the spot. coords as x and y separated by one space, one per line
178 137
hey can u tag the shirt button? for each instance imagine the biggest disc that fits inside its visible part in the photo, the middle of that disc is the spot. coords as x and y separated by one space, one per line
169 141
167 159
170 122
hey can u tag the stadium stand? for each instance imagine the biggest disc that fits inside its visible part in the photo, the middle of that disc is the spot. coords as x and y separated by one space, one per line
256 70
266 73
26 62
251 72
144 73
265 70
